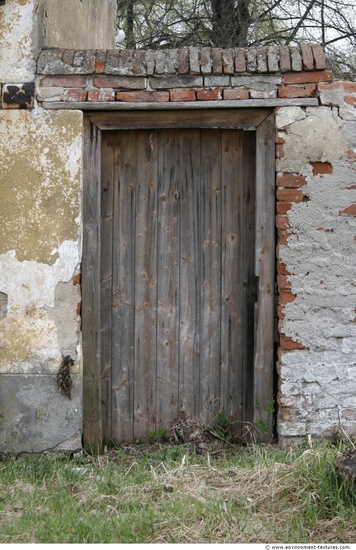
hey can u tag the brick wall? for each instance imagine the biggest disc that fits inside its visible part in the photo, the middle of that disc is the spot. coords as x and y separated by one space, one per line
194 74
315 190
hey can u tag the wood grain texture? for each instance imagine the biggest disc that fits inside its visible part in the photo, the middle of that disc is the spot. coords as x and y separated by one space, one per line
92 424
265 271
182 276
145 359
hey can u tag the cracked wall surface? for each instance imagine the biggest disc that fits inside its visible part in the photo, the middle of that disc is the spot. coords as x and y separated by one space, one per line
40 254
317 258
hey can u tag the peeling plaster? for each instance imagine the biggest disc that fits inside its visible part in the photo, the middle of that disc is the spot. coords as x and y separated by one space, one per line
40 171
41 321
19 41
306 137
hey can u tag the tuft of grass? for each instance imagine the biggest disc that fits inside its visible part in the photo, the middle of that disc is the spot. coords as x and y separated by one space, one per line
163 493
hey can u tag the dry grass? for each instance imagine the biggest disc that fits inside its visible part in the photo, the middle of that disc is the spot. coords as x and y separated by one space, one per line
169 494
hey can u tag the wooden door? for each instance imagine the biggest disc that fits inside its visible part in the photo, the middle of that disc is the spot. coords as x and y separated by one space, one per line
177 277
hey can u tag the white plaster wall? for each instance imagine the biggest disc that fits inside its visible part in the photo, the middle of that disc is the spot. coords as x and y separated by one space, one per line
19 45
318 383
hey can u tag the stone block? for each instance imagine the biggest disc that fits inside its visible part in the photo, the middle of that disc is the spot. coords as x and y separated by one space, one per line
272 59
263 83
216 81
36 416
183 61
179 81
194 61
262 60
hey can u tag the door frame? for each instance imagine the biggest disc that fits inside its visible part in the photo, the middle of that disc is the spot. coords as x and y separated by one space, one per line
260 120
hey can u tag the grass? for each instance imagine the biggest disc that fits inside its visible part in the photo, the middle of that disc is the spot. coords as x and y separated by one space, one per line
178 494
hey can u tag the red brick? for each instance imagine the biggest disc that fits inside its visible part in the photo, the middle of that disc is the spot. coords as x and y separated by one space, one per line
306 78
350 100
349 86
319 57
240 61
100 95
282 268
286 297
139 97
99 67
282 222
279 151
74 95
228 61
283 207
183 95
307 56
79 309
77 279
284 59
322 168
288 180
296 91
283 235
280 138
349 211
289 344
216 60
280 312
289 195
64 81
238 93
120 82
351 154
283 282
209 95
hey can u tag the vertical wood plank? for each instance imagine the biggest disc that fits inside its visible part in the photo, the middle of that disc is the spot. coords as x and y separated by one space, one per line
92 425
168 279
145 284
248 257
190 278
211 211
232 291
107 186
265 268
123 322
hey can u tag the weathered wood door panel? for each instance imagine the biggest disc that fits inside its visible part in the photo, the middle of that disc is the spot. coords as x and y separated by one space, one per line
177 277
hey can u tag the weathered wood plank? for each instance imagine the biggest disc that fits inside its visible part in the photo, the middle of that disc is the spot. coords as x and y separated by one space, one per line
145 284
123 286
107 185
146 106
193 118
168 279
92 425
189 284
232 291
210 220
265 269
248 257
